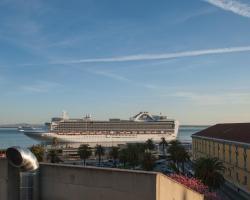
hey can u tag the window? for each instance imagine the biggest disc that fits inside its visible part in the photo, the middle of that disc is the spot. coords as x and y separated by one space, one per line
236 155
245 180
237 176
245 159
230 154
213 148
224 152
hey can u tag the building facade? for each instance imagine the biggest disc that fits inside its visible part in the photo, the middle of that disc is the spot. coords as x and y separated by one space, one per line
230 143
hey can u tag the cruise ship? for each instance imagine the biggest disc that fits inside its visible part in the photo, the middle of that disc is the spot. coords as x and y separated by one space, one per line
139 128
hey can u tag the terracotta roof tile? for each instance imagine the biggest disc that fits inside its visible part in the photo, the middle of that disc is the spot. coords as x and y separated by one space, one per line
239 132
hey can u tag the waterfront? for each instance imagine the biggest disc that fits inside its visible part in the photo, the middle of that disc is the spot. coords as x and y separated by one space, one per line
11 137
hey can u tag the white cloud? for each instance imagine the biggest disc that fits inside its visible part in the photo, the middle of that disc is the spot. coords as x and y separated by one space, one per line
164 56
234 6
40 87
215 99
124 79
112 75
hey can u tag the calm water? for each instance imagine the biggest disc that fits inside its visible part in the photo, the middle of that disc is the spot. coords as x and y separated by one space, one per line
11 137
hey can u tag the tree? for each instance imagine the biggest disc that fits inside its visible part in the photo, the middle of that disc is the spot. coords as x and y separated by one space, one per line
172 150
150 144
114 153
99 151
54 141
133 154
38 151
164 144
172 166
123 156
148 161
209 171
178 154
183 157
84 152
53 156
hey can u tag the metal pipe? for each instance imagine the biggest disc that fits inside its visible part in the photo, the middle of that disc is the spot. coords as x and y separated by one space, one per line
26 162
22 158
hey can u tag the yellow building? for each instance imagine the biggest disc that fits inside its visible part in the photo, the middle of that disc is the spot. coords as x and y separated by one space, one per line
230 143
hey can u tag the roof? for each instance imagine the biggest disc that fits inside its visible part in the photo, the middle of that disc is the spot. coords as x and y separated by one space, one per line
238 132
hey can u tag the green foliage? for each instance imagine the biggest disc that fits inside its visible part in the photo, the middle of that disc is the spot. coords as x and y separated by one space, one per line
173 167
99 151
84 152
53 156
209 171
132 154
123 156
38 151
178 154
114 154
135 153
150 144
163 143
148 161
54 141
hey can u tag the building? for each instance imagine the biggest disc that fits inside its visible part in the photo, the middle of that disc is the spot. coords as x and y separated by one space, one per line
230 143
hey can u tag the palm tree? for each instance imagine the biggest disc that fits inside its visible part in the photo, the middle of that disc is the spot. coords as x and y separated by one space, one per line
164 144
84 152
38 151
183 157
150 144
99 151
133 154
172 150
178 154
54 141
148 161
53 156
123 156
114 153
209 171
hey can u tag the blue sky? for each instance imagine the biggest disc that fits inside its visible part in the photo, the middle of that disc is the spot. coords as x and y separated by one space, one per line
188 59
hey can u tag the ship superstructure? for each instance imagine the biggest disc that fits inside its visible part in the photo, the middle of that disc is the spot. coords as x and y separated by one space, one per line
138 128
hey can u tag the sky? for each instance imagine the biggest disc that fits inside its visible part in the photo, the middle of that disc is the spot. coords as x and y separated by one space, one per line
189 60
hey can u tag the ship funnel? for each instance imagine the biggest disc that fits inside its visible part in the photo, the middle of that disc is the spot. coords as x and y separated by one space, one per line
26 162
22 158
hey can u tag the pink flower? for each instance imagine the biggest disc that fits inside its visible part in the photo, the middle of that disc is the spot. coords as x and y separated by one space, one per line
196 185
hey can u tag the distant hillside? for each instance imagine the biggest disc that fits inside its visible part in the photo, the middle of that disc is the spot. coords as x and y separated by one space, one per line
17 125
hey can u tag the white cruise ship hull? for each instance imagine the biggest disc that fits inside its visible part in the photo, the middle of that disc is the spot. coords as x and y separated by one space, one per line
102 138
139 128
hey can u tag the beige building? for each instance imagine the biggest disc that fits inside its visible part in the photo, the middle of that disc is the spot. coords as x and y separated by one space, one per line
230 143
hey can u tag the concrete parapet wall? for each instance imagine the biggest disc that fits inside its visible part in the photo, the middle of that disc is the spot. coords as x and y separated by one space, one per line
72 182
67 182
168 189
3 179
